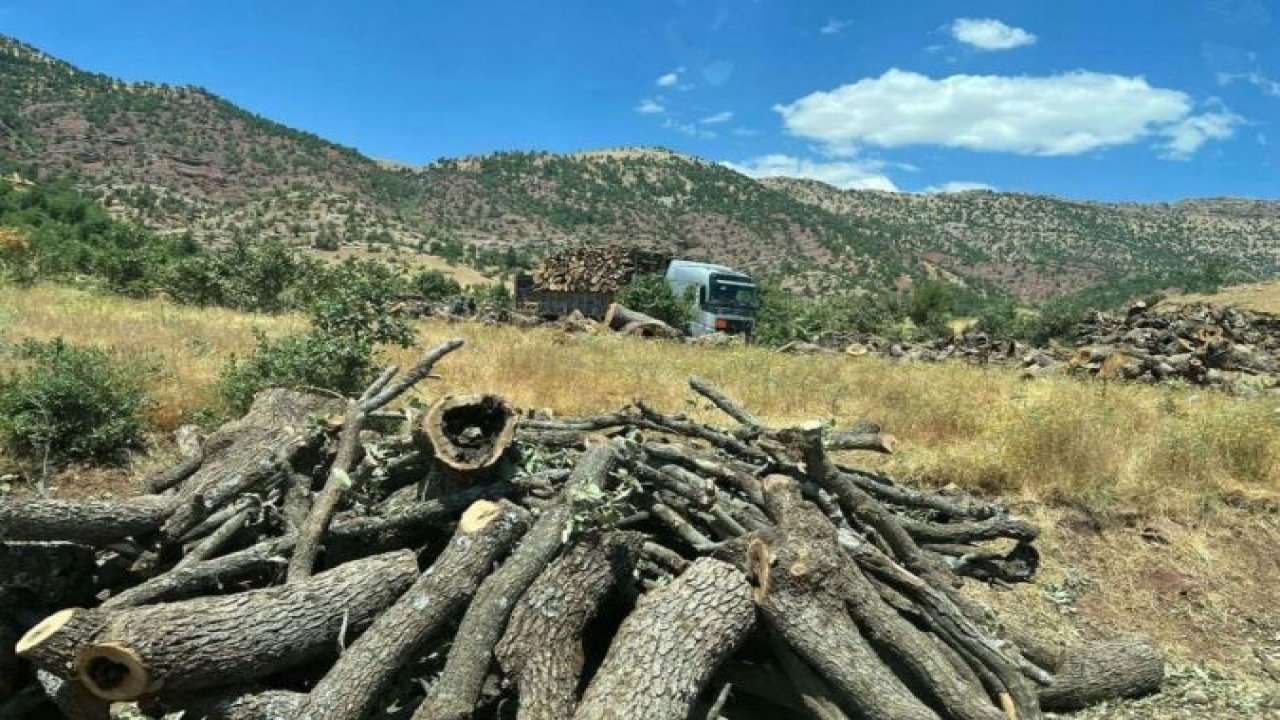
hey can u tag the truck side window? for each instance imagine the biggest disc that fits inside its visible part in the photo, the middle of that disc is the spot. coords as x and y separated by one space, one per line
702 296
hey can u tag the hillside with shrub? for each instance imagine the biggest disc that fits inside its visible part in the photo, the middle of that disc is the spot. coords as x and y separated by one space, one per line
193 167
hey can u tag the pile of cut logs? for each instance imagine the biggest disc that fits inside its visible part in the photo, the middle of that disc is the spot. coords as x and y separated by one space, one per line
1220 347
329 558
599 269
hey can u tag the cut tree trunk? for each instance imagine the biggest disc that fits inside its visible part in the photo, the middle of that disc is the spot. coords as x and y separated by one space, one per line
1104 671
228 639
234 705
668 648
91 522
542 649
243 451
352 686
455 693
470 433
632 322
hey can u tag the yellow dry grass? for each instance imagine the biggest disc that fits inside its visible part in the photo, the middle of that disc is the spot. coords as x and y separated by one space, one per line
1116 448
1260 297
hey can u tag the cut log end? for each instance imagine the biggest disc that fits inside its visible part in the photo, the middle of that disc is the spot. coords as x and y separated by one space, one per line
470 432
478 516
113 672
45 629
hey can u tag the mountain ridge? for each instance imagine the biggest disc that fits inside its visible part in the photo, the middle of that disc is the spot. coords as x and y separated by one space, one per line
181 160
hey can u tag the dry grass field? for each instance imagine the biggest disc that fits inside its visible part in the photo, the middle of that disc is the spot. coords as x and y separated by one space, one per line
1159 504
1117 449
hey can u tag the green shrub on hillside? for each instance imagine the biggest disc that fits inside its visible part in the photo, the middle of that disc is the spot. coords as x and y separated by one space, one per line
70 403
651 295
351 315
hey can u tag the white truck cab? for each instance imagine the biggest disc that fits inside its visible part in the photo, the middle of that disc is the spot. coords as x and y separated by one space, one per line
725 299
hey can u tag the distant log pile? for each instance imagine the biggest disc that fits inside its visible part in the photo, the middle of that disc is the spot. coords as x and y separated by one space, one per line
597 269
637 564
1218 347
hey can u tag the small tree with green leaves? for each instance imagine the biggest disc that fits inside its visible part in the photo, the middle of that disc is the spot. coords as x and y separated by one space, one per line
653 296
69 403
352 314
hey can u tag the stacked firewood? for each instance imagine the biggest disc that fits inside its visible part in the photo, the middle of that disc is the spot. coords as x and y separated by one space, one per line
326 558
1221 347
597 269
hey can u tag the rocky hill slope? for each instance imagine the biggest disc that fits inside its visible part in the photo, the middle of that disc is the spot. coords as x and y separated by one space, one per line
181 160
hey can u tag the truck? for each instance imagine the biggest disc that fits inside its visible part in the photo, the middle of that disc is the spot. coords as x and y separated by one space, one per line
588 280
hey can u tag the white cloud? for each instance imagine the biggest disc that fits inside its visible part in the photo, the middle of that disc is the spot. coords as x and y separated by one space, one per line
689 129
1256 79
956 186
846 174
649 106
668 80
987 34
718 118
1186 136
745 132
834 26
1065 114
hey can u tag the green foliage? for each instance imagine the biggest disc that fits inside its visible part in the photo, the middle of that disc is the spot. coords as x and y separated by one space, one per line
493 294
68 403
784 316
434 285
931 305
653 296
251 276
351 315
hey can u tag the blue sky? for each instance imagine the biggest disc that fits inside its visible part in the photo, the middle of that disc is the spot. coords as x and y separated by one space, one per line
1134 100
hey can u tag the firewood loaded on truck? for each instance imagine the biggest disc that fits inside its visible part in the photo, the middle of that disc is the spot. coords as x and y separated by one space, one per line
590 279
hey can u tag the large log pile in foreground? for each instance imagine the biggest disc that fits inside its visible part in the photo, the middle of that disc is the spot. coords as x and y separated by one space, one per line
320 559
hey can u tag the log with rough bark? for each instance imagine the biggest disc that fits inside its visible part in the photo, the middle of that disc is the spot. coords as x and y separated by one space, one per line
349 690
1098 672
669 647
91 522
542 649
125 654
631 322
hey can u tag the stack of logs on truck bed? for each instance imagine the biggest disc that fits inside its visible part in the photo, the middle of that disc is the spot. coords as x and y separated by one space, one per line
321 558
597 269
1220 347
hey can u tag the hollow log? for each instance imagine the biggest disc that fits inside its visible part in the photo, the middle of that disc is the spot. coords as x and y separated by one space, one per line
228 639
90 522
469 433
541 651
1103 671
455 693
632 322
668 648
352 686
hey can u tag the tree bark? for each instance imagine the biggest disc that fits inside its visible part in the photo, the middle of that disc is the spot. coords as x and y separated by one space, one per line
352 686
231 639
233 705
820 560
541 651
244 450
91 522
631 322
455 693
53 643
668 648
1104 671
470 433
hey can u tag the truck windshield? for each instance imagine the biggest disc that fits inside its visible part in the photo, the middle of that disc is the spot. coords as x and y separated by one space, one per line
732 293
